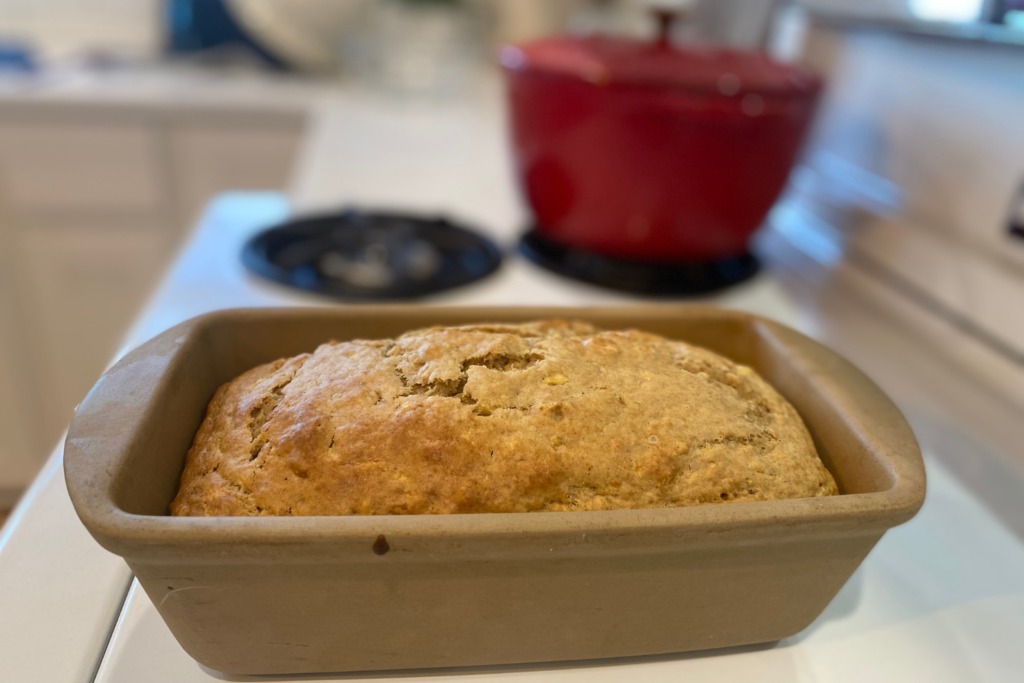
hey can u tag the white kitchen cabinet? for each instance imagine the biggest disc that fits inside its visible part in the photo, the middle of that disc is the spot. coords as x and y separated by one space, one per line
20 454
95 198
207 158
83 287
82 166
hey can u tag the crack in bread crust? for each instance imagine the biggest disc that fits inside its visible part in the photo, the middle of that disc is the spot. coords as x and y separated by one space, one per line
546 416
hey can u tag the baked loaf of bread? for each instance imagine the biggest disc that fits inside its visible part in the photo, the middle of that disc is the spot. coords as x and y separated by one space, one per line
547 416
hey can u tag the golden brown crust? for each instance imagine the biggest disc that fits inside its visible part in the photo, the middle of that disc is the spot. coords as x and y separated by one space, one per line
551 415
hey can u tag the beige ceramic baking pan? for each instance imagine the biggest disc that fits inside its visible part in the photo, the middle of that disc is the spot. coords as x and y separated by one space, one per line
293 594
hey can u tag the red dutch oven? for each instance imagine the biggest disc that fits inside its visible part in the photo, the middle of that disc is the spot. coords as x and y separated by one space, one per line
650 152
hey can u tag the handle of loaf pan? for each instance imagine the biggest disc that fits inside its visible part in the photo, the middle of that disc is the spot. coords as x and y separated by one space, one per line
805 372
100 437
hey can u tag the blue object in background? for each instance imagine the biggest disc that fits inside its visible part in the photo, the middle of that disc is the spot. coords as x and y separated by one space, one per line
197 25
16 57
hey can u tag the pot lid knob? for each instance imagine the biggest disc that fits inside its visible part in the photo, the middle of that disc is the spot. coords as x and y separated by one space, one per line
668 13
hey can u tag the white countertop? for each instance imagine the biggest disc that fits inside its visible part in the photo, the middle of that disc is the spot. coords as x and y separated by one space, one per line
940 599
162 86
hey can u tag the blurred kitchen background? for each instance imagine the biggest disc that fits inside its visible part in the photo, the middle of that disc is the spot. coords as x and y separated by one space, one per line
120 121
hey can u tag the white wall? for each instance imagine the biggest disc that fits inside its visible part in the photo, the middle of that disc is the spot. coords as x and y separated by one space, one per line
61 27
943 120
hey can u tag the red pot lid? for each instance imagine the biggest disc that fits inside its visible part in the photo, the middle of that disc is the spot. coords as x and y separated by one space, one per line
604 61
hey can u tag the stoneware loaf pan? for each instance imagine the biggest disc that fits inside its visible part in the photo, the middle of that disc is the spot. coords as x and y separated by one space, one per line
262 595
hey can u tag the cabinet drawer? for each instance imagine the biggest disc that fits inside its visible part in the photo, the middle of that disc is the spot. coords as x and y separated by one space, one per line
93 166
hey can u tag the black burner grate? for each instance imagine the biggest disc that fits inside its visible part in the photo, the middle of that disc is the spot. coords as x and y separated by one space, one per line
368 256
637 277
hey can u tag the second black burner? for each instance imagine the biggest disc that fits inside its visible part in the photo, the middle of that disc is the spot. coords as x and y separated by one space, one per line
637 277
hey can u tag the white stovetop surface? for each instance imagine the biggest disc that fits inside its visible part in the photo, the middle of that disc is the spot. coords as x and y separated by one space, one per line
939 599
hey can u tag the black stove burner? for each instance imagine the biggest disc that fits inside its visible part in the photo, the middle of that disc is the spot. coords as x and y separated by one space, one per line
371 256
638 277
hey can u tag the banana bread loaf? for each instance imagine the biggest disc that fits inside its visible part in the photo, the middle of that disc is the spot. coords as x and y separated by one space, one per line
547 416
